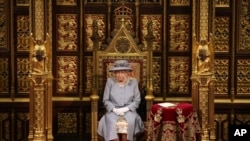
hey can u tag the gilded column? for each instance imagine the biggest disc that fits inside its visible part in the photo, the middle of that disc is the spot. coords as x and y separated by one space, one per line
149 38
203 69
40 75
94 97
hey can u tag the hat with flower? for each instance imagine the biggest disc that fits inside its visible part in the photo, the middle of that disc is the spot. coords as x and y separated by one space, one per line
121 65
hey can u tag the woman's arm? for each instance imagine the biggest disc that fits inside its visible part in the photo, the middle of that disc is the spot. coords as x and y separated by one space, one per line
106 96
137 97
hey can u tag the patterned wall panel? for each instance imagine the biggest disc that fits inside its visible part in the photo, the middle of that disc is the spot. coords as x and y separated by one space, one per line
67 32
3 24
87 123
157 71
243 76
5 124
222 34
244 27
23 33
4 76
67 123
157 30
70 125
179 31
88 23
221 67
67 72
23 75
242 118
221 126
178 73
22 120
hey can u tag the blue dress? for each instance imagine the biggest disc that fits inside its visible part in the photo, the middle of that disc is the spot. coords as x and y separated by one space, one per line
116 96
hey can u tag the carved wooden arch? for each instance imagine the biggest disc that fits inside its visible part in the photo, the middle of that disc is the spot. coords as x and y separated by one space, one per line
122 46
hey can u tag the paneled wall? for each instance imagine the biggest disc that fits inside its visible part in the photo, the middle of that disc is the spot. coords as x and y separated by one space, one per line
71 31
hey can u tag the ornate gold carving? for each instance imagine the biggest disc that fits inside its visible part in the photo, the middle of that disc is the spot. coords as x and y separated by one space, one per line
243 81
221 122
23 33
3 25
67 30
179 2
67 71
38 107
4 75
203 56
157 75
39 19
204 19
242 118
124 1
89 74
101 27
95 37
244 26
23 71
179 32
222 3
40 55
67 123
155 28
66 2
178 74
22 125
221 67
40 87
221 37
22 2
123 15
122 45
5 120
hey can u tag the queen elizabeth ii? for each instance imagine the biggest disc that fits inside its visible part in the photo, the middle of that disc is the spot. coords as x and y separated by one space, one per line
121 98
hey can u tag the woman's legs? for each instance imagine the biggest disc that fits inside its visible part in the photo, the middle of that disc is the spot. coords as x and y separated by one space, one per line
123 137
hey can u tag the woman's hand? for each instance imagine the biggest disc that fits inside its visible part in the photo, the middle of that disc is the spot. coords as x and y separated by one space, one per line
124 109
120 111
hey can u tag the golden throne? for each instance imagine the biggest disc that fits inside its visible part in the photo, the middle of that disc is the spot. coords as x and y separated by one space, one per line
122 46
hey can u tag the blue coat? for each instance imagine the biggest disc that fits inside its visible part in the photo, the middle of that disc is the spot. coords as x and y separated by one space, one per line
116 97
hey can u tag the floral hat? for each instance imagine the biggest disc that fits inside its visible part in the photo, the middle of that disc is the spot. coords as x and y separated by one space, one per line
121 65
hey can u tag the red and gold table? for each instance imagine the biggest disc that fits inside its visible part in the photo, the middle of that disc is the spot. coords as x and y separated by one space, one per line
178 122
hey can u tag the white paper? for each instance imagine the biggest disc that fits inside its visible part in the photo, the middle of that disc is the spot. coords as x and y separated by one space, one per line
166 104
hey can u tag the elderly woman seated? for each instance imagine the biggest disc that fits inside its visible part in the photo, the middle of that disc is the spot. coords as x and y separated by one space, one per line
121 99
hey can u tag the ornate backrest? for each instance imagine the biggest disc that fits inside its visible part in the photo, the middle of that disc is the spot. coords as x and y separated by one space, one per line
123 46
